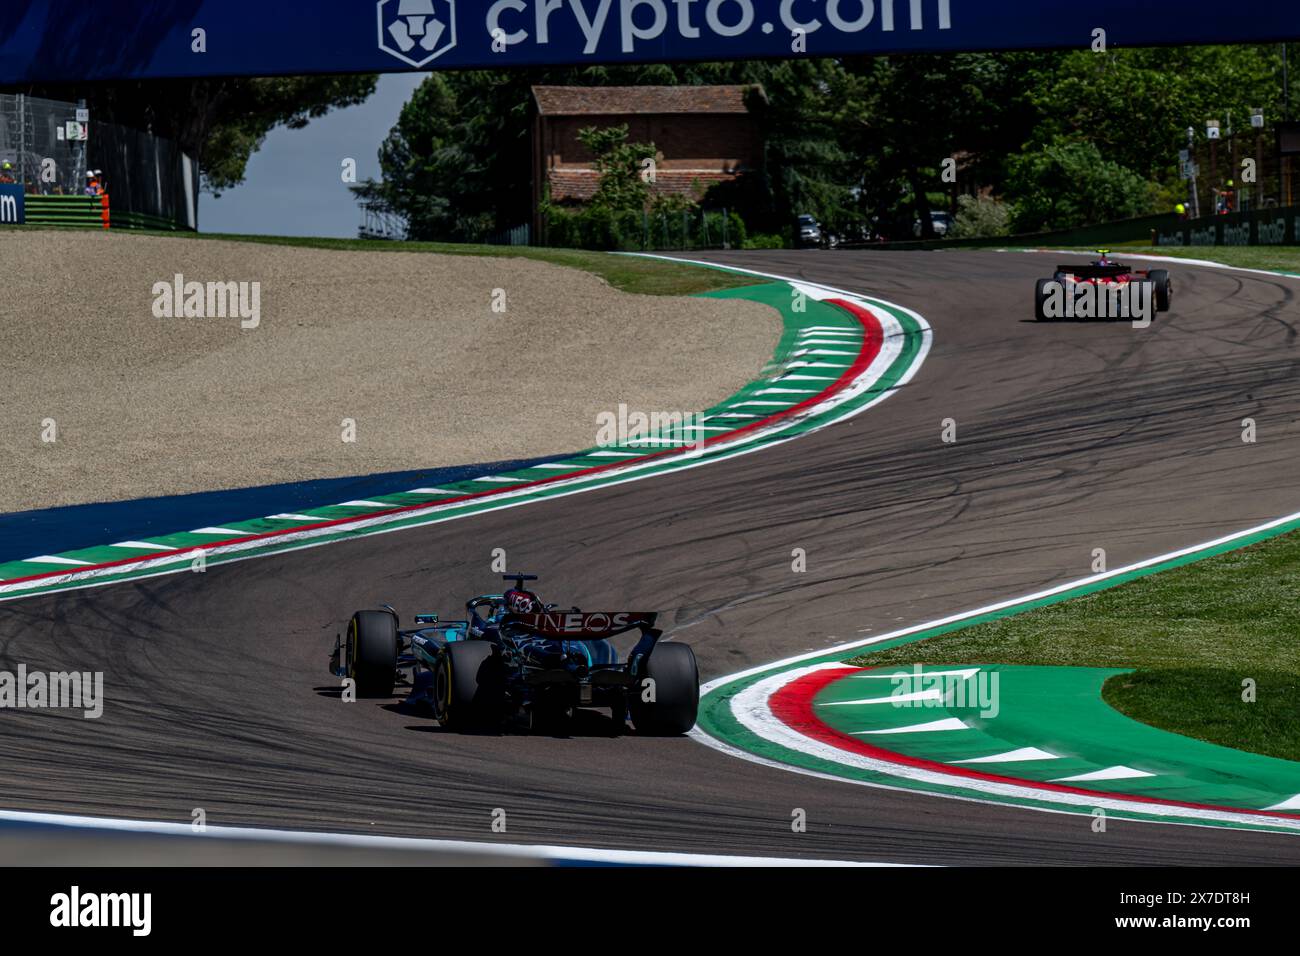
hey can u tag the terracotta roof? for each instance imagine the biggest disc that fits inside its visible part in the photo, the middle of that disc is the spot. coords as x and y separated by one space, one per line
579 185
620 100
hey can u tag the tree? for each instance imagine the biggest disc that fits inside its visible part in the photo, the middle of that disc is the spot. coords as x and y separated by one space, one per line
430 176
902 117
620 164
860 137
218 122
980 217
1136 104
1068 184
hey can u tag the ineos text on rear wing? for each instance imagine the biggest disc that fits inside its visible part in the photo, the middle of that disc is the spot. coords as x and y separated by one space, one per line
583 625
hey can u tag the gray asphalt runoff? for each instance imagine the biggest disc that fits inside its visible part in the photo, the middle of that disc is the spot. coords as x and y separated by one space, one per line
1071 436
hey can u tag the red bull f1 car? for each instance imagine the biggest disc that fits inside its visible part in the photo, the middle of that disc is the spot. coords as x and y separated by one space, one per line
516 659
1104 275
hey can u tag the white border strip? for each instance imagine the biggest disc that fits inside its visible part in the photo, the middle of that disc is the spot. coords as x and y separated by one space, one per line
549 853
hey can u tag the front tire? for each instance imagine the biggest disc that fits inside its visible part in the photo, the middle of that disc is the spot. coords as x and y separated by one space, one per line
465 689
676 688
372 653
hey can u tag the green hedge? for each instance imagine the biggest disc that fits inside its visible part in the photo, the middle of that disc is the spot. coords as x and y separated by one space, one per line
633 231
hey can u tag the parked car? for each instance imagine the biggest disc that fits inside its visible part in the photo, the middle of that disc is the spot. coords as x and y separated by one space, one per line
856 232
939 220
810 232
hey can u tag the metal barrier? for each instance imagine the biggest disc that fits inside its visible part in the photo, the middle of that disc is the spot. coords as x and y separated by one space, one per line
518 236
51 146
379 223
34 139
81 211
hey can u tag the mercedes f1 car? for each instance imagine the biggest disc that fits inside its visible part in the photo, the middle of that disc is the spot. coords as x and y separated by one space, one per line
1103 274
514 658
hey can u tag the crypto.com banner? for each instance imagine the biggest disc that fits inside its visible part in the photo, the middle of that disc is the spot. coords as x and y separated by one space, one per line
69 40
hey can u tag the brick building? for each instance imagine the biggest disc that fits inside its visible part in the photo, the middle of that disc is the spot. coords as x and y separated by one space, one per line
704 135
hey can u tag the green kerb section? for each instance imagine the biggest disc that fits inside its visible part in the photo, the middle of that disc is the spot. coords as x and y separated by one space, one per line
717 720
1008 709
779 387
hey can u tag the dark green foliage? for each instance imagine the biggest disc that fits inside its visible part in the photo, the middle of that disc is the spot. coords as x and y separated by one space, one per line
1062 138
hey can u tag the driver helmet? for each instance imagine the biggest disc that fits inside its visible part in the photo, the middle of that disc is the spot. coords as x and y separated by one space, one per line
522 602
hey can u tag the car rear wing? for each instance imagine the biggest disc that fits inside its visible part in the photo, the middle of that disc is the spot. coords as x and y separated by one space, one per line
584 625
1091 271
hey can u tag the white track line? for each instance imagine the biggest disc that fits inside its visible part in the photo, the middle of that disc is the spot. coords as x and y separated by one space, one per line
1106 773
943 724
1021 755
518 851
933 693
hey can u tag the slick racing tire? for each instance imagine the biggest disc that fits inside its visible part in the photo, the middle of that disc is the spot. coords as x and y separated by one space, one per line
372 653
676 689
466 688
1164 289
1040 299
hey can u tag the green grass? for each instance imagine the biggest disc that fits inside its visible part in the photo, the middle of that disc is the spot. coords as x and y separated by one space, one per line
626 273
1278 258
1194 635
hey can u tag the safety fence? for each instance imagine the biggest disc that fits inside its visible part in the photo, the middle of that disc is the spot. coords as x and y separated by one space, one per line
70 169
43 145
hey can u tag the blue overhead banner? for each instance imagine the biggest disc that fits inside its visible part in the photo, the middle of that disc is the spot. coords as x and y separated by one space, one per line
50 41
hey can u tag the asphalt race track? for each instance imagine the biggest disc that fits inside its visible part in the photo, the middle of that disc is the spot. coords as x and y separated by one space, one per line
1071 436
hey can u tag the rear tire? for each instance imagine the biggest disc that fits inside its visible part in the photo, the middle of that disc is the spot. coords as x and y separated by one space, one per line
1164 289
676 679
1040 299
466 691
372 653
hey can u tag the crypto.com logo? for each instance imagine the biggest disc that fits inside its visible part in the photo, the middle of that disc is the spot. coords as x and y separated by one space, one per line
417 31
